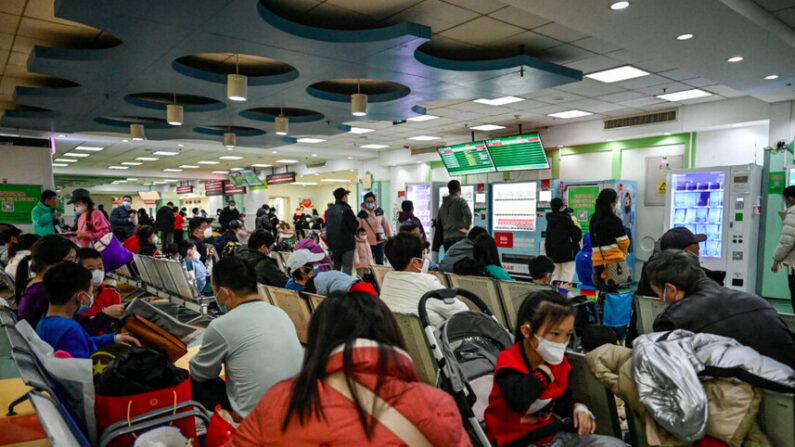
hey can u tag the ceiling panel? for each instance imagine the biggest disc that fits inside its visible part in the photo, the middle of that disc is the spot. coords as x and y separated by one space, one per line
480 31
642 82
12 6
376 10
590 88
775 5
519 17
594 63
479 6
436 14
560 32
670 87
564 54
596 45
532 42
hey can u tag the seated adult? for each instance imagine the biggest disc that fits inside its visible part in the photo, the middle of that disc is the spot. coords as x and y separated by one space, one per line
698 304
402 288
486 254
255 342
354 344
460 250
69 287
531 396
200 231
301 265
230 235
260 245
105 299
147 240
32 300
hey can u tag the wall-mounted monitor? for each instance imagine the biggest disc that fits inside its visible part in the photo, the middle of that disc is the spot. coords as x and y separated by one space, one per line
244 177
467 158
149 195
520 152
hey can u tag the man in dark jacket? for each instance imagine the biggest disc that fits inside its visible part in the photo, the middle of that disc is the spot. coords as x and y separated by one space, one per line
123 217
455 215
273 218
698 304
164 223
260 245
263 221
461 250
200 231
341 226
562 241
228 214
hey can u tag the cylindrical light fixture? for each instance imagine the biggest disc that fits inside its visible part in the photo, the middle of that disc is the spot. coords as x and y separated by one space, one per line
230 139
137 132
282 124
359 104
236 87
174 114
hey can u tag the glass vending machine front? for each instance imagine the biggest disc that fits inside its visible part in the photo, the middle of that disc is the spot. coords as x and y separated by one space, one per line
698 205
420 195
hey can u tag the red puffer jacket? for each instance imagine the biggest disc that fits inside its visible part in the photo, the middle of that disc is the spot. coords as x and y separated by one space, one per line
431 410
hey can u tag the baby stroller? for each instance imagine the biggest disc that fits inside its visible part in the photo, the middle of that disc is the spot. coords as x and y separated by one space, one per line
465 348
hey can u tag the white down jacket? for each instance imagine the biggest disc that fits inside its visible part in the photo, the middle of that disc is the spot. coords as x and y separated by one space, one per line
785 250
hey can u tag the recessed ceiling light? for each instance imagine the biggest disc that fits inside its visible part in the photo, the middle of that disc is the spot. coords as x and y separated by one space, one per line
617 6
737 125
314 155
60 165
666 133
63 135
684 95
360 130
159 183
374 146
208 162
570 114
118 167
350 158
66 160
230 157
260 165
131 163
335 180
771 77
487 127
499 101
89 148
310 140
180 145
423 138
235 169
609 139
76 154
286 161
125 141
188 166
132 179
166 153
735 59
220 172
423 118
274 152
147 158
171 180
305 183
617 74
172 170
686 36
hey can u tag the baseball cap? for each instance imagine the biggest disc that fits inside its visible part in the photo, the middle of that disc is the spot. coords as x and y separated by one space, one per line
340 193
78 195
679 238
303 257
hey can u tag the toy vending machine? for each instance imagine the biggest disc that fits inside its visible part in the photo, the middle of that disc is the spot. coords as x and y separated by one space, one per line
721 203
425 204
517 225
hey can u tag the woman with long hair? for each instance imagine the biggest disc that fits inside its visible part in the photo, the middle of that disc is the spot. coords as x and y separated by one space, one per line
32 301
354 372
486 254
610 243
91 224
147 240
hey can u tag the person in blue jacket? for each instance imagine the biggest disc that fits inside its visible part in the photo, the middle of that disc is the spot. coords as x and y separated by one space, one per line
584 265
123 217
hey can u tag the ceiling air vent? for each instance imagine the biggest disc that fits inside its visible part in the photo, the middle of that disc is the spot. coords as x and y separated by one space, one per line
641 120
423 150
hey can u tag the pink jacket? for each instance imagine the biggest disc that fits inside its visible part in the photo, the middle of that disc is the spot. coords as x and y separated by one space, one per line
99 227
363 255
431 410
375 222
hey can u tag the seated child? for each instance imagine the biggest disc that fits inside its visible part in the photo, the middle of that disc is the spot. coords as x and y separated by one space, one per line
541 269
68 287
595 335
105 299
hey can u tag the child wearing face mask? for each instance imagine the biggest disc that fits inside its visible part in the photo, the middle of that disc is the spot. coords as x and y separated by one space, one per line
147 241
531 401
69 286
192 262
104 299
363 255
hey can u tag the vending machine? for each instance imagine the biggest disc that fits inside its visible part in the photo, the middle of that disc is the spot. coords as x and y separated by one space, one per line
724 204
516 224
425 203
468 193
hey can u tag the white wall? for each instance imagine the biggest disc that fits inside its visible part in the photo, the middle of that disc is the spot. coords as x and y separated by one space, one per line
732 146
26 166
586 167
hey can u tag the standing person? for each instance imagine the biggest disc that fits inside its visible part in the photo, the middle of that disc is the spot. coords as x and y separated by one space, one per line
263 220
101 209
785 250
165 223
122 218
228 214
407 214
363 255
354 345
610 243
179 219
373 220
254 342
44 215
91 225
562 240
455 215
144 219
273 218
341 226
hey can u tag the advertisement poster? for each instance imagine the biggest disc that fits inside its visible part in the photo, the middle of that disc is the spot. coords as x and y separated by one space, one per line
17 202
582 199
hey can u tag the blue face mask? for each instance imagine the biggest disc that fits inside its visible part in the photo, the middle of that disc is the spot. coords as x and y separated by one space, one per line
221 308
82 309
369 206
126 204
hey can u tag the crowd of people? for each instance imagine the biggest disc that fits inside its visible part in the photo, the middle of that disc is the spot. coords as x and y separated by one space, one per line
355 353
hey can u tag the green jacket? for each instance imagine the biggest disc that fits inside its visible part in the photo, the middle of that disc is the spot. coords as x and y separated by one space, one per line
42 220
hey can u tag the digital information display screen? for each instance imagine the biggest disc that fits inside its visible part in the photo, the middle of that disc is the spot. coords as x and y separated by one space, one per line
467 158
521 152
244 177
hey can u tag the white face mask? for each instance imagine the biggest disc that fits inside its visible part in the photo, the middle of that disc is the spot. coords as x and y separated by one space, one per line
232 207
551 352
426 263
80 209
97 276
196 256
363 237
208 233
155 240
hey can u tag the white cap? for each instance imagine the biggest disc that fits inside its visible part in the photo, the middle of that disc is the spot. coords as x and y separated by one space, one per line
302 257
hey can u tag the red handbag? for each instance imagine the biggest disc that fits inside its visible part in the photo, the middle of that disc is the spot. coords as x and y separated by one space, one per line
222 426
112 409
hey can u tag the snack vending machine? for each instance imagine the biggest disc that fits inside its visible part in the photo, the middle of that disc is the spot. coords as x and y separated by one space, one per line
516 224
724 204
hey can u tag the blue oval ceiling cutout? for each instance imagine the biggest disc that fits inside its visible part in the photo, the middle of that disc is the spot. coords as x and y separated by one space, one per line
215 67
189 103
341 89
269 114
240 131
